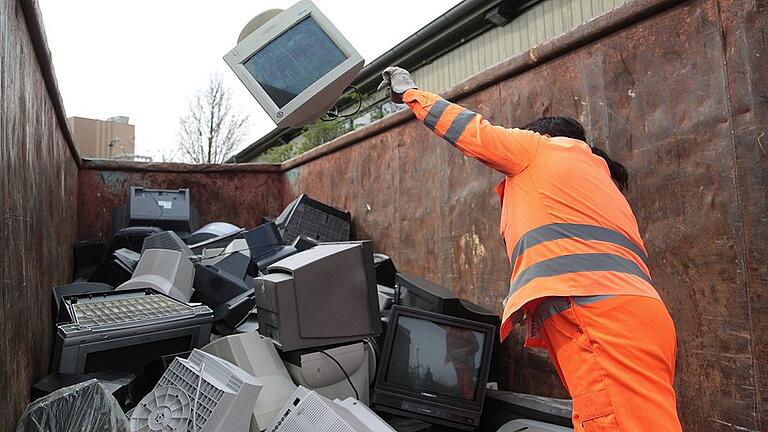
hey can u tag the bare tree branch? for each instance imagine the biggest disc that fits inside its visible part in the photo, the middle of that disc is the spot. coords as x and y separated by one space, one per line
211 130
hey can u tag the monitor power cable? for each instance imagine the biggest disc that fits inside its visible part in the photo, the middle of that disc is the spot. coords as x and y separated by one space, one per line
334 113
349 380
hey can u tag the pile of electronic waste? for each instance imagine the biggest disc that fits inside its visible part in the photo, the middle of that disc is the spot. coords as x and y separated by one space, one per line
289 326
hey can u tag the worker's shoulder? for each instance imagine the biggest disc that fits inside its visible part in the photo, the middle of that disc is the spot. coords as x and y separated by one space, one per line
565 143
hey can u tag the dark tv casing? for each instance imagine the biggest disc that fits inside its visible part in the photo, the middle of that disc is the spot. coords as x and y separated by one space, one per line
410 289
305 300
413 291
438 409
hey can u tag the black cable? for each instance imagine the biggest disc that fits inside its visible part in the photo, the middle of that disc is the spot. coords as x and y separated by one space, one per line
335 114
349 380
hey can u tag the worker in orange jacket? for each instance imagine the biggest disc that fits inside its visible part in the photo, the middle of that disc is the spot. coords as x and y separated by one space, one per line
580 280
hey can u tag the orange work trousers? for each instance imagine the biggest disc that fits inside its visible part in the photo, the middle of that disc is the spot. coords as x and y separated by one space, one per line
616 357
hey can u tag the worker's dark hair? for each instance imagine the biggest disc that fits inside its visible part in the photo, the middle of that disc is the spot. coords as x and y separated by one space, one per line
571 128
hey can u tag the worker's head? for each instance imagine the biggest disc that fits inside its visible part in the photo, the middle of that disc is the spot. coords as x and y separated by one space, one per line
558 126
568 127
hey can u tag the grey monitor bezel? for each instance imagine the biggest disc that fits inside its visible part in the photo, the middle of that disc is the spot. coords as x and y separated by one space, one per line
300 109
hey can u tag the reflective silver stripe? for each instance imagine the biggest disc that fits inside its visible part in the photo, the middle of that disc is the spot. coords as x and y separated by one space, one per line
458 125
434 114
558 231
585 300
552 306
577 263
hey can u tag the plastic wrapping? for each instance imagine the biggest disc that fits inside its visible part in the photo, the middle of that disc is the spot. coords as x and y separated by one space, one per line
84 407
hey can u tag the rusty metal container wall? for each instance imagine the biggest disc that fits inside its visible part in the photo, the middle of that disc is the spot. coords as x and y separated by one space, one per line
680 98
679 93
38 201
239 194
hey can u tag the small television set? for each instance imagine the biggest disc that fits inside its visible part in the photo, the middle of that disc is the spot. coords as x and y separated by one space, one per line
296 64
434 368
307 217
415 292
308 411
126 330
322 296
257 355
164 270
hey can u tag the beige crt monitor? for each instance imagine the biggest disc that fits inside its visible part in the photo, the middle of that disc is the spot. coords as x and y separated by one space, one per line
296 64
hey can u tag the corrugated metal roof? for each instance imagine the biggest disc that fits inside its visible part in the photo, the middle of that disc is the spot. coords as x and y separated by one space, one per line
541 22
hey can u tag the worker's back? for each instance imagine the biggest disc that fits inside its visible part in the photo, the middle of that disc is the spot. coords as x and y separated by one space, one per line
569 231
565 183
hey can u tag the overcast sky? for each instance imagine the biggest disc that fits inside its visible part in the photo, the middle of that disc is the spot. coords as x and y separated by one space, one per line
146 58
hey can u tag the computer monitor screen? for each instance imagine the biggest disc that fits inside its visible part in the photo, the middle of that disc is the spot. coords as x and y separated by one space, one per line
440 358
434 367
305 50
295 63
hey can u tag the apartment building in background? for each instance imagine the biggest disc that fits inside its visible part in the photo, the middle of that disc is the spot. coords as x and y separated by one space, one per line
113 138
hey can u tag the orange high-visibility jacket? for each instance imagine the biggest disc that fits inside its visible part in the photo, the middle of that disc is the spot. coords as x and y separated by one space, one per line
568 229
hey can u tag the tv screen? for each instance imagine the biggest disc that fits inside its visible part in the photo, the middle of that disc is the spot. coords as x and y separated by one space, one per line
294 60
434 368
438 358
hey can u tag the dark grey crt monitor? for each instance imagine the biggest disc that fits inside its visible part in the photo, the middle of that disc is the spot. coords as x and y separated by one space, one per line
296 64
322 296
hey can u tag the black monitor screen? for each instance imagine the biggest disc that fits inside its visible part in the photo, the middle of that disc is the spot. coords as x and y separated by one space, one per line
133 358
294 60
436 358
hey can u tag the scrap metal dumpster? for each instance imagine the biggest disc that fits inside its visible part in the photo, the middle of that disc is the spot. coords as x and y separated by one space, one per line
676 90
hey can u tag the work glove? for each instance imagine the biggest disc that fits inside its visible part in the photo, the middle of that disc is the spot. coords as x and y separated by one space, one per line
397 81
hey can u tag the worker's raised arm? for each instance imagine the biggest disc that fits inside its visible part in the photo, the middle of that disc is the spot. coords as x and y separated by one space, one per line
506 150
